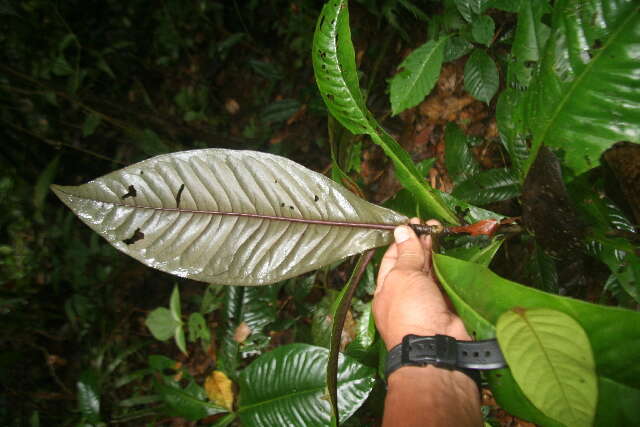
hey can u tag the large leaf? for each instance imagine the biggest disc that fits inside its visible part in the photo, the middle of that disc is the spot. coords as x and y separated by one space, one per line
228 217
287 387
250 308
481 77
586 95
511 122
488 186
460 161
480 297
418 74
551 359
336 75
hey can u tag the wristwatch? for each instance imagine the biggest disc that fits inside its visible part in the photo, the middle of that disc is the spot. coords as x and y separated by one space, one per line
446 352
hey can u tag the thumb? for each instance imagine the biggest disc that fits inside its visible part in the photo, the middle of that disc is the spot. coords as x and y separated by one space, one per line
410 251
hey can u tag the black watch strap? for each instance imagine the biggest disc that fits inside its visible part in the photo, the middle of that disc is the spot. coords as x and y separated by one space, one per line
445 352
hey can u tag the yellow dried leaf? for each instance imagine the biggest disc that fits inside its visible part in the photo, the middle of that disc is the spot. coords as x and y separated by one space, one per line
219 389
241 333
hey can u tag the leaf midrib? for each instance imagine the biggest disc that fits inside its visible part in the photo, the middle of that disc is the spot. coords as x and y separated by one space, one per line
329 223
572 87
551 365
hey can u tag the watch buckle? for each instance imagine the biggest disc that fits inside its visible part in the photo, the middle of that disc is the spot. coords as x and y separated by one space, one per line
438 350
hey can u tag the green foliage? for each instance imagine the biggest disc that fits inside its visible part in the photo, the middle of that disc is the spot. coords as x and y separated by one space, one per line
481 297
550 357
481 77
287 385
418 74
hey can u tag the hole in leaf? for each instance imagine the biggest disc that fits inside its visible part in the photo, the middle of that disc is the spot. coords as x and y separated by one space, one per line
291 207
137 235
464 353
179 195
487 353
131 193
315 198
282 205
476 354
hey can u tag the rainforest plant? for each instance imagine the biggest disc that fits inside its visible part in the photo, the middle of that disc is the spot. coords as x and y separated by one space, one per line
244 218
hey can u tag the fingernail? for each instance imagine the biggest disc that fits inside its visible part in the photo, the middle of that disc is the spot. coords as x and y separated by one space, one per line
402 234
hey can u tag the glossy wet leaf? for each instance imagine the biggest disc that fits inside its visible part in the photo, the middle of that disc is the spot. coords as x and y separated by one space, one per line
481 78
460 161
488 186
586 95
287 387
531 33
550 357
471 8
511 121
336 75
227 217
417 75
255 308
480 297
456 47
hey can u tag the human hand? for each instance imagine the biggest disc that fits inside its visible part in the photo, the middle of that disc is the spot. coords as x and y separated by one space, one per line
407 299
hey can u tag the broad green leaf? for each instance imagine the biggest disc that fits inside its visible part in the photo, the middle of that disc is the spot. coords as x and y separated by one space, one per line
190 402
511 122
488 186
481 78
460 161
174 304
480 297
360 348
336 75
550 357
161 323
482 30
256 308
456 47
228 217
418 74
89 396
586 95
287 387
531 33
542 271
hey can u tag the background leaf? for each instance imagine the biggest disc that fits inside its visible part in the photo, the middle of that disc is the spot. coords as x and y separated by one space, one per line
551 359
161 323
481 78
287 386
182 213
488 186
418 74
482 30
336 75
480 297
511 121
460 161
89 396
586 95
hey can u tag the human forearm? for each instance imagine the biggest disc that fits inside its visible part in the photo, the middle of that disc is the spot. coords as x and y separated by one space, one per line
431 396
